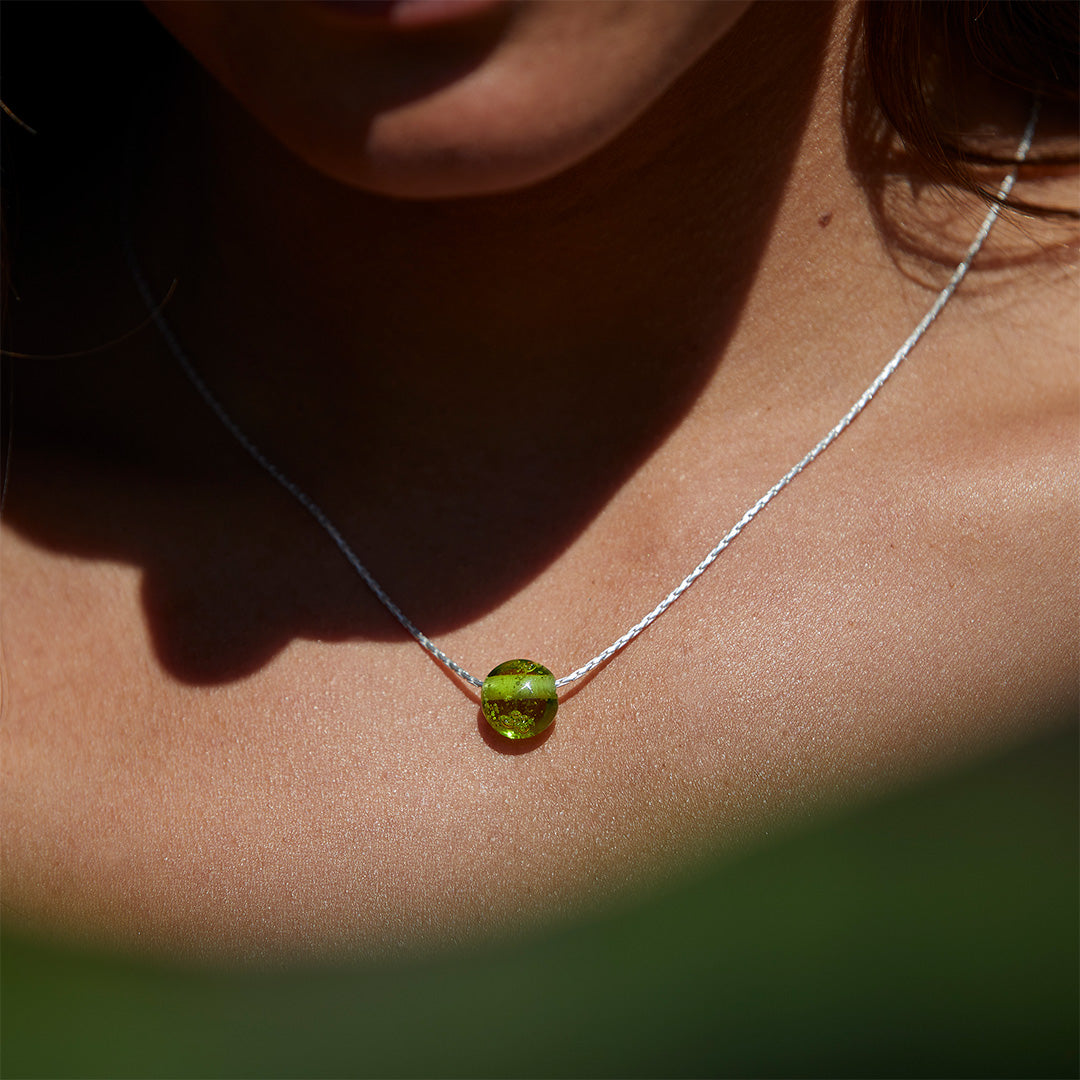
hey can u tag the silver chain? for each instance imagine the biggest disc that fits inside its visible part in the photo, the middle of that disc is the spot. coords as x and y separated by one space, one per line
342 544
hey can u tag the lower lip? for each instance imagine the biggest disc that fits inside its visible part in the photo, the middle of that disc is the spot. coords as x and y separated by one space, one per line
408 14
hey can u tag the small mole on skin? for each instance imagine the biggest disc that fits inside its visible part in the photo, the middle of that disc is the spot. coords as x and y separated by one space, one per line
824 219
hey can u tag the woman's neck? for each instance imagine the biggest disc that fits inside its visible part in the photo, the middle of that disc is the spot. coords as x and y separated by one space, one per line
617 283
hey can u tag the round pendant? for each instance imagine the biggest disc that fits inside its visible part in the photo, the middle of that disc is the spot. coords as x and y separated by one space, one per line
519 699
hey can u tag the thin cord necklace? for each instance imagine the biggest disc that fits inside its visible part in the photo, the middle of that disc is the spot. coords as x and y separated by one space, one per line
519 698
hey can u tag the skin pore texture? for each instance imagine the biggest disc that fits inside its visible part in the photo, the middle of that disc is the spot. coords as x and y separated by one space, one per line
535 304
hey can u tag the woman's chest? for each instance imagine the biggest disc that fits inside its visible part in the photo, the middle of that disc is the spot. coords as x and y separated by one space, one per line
350 790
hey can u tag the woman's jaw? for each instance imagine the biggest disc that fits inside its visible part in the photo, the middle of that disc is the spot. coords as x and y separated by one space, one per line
442 98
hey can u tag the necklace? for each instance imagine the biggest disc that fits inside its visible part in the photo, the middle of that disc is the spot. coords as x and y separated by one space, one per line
519 698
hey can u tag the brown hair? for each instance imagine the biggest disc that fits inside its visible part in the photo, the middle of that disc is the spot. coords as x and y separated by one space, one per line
921 57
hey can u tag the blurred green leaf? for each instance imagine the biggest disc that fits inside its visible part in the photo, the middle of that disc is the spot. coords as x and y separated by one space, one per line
930 934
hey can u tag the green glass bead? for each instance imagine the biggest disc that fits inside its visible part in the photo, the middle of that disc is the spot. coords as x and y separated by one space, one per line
519 699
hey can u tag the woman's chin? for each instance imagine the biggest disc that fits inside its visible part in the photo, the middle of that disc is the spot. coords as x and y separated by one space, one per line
469 146
446 98
440 170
